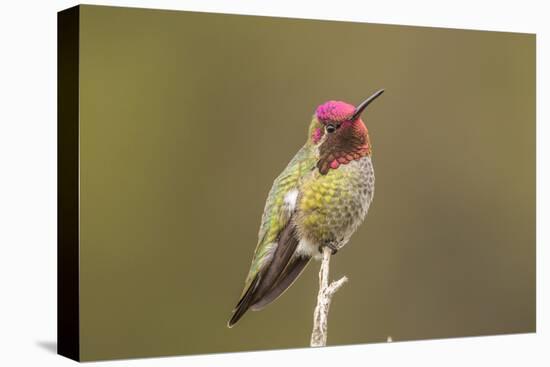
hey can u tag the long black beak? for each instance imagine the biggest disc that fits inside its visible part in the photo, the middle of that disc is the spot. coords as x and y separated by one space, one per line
365 103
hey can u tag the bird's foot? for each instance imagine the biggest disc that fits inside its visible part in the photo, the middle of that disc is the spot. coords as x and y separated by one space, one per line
332 246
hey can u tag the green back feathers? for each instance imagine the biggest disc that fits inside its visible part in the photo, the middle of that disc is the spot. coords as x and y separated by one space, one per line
275 217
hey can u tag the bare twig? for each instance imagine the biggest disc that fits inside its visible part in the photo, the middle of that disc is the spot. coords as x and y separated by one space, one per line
326 291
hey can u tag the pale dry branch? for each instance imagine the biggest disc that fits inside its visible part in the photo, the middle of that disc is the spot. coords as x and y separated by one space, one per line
326 291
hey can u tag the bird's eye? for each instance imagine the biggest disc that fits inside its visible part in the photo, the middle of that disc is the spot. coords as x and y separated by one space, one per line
330 128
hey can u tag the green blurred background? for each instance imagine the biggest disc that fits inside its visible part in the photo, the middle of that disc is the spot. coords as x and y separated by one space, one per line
186 119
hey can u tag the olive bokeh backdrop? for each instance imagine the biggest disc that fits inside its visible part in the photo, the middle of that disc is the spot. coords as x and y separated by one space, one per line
186 119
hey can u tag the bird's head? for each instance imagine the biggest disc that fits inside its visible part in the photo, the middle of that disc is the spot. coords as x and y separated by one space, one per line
339 133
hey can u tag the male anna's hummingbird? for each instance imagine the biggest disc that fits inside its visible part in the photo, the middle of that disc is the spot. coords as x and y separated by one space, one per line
319 200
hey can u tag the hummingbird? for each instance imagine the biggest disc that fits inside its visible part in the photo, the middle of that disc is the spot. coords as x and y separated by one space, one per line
318 201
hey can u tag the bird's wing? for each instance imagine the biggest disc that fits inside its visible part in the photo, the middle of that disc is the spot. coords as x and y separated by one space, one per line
277 238
279 208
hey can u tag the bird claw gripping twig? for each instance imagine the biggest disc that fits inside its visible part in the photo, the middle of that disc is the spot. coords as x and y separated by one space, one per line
326 291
